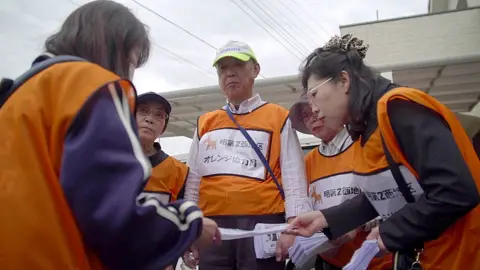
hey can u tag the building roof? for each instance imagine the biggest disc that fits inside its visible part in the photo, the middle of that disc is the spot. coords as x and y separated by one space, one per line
456 85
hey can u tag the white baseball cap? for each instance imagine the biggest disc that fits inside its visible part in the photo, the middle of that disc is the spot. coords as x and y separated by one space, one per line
236 49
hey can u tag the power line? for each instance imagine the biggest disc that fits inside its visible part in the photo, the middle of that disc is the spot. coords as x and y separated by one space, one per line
273 28
176 25
266 30
299 18
293 39
312 19
292 23
181 28
178 57
170 53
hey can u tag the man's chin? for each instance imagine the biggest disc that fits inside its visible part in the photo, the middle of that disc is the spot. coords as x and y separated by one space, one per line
237 96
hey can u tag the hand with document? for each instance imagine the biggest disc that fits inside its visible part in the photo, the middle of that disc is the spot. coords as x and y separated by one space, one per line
266 244
305 248
265 237
310 241
260 229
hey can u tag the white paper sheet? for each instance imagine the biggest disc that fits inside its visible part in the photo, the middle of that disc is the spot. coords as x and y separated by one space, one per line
265 244
231 234
363 256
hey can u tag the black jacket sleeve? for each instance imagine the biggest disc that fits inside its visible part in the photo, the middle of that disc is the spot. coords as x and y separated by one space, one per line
449 189
348 215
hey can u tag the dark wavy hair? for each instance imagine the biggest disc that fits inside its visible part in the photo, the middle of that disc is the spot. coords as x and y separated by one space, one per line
329 63
102 32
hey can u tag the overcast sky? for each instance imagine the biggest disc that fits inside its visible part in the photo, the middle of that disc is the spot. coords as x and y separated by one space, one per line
179 60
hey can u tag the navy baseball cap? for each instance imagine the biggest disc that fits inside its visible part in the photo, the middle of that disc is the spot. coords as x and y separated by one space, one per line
154 97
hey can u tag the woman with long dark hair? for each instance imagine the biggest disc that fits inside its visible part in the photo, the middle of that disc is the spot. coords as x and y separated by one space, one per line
71 166
414 162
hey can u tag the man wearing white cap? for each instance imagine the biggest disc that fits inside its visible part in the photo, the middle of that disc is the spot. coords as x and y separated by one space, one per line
246 166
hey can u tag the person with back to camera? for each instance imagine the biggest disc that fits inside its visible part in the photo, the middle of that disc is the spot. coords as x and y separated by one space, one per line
414 163
329 170
71 166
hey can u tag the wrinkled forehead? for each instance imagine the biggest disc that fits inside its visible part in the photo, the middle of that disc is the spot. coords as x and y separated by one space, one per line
230 61
151 106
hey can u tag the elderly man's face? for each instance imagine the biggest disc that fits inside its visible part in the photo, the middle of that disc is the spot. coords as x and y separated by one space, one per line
151 118
236 78
318 127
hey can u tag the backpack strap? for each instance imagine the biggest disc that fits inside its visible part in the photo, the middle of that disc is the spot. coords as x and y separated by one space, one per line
9 86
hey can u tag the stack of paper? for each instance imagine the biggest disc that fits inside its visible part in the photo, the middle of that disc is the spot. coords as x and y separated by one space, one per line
305 248
231 234
363 256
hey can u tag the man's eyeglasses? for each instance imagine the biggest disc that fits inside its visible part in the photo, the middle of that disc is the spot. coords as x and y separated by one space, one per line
157 114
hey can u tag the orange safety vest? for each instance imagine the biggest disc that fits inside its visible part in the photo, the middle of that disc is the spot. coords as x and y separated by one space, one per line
457 248
331 182
37 228
234 180
167 180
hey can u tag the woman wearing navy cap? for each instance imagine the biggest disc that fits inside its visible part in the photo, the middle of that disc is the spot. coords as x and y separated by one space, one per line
168 174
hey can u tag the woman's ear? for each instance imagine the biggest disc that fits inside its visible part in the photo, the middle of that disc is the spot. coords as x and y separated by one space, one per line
344 81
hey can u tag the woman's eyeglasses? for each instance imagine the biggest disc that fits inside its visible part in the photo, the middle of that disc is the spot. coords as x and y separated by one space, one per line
313 91
157 114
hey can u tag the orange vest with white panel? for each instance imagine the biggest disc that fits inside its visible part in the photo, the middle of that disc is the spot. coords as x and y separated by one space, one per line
331 182
458 247
234 180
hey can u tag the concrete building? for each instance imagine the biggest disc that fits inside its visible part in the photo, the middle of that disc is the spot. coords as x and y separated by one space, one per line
437 52
437 6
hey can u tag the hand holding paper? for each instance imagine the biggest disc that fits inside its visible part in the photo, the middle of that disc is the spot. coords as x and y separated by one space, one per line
375 234
284 243
305 248
231 234
265 245
210 234
306 224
